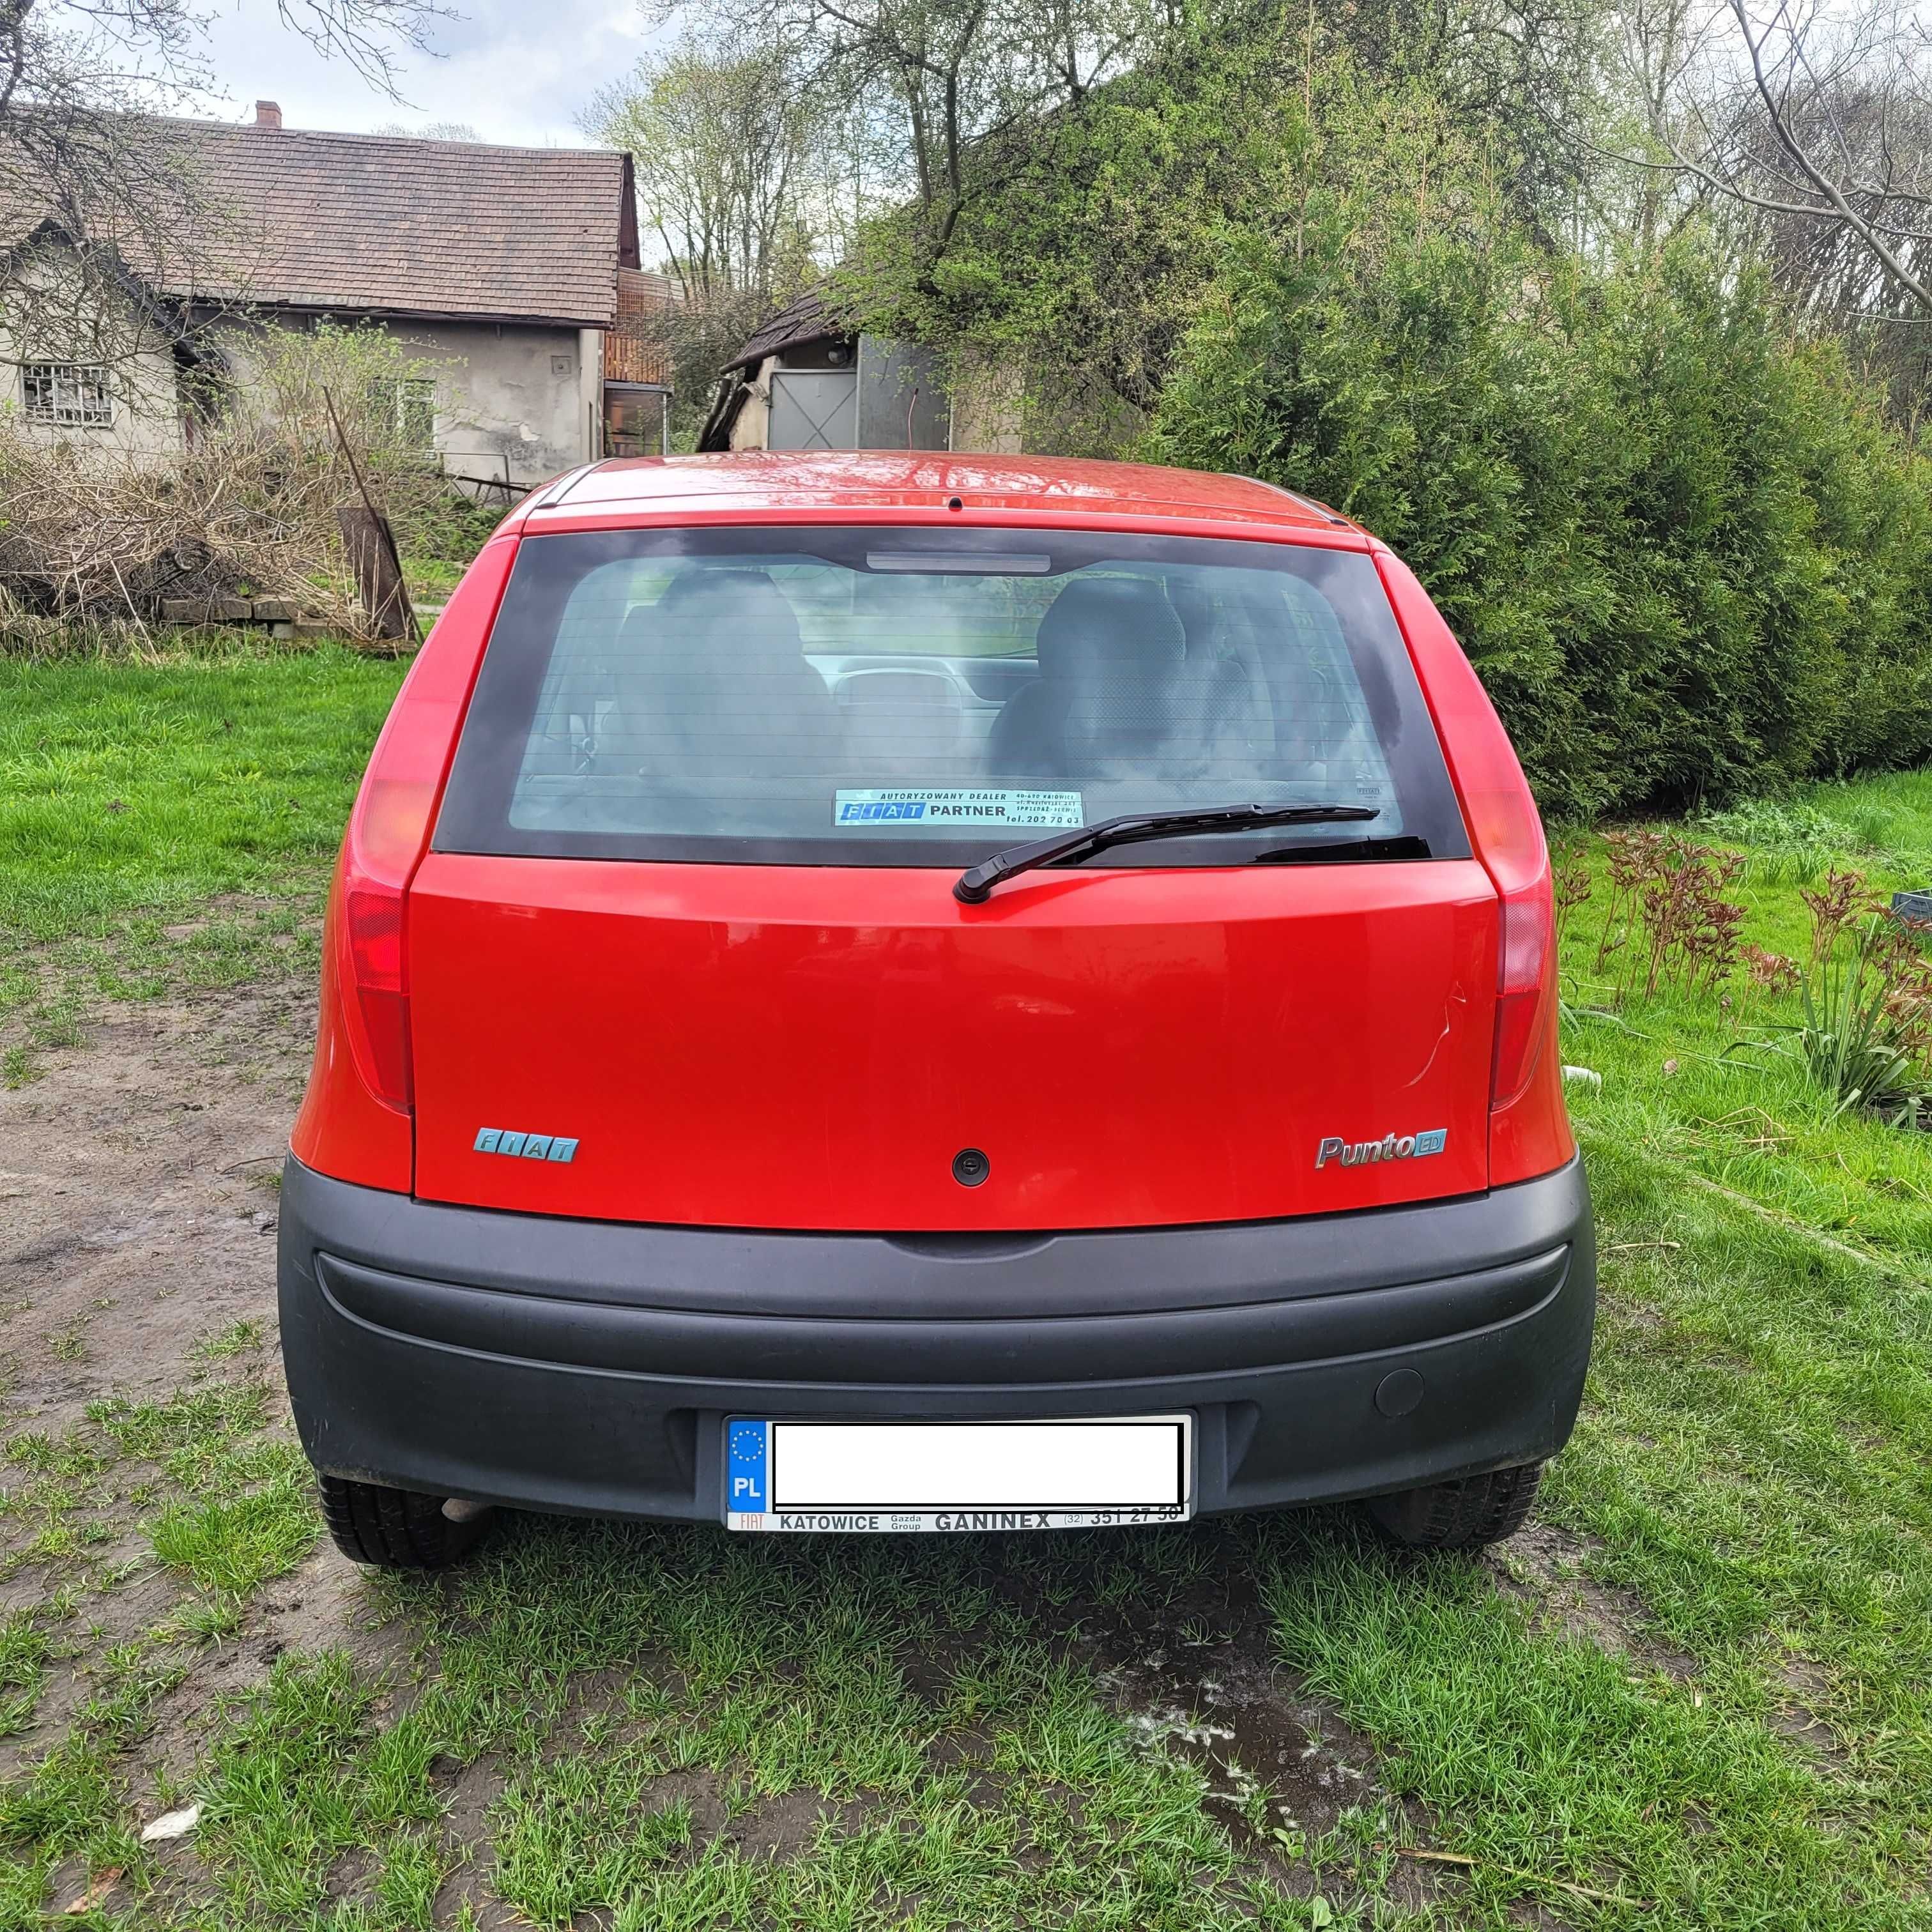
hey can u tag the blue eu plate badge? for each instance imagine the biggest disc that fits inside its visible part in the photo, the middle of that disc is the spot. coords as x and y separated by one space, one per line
746 1464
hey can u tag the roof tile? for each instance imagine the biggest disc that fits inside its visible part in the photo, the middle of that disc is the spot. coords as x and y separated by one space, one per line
387 224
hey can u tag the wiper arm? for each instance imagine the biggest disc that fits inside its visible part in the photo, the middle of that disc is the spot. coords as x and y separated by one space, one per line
974 885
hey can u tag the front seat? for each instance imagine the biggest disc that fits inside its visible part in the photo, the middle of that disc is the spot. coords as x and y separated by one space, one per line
1110 650
716 696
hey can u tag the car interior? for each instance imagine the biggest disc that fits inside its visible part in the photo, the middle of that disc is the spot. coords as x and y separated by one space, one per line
715 702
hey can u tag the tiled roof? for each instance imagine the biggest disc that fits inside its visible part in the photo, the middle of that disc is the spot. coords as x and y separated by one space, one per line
803 319
382 224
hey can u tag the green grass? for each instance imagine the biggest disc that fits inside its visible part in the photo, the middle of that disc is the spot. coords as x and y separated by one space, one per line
226 1501
168 825
153 788
226 1505
677 1729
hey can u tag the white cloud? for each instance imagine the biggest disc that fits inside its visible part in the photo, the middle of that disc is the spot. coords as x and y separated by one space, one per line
514 72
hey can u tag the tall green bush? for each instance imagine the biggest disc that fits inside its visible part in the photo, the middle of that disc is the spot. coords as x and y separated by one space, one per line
1682 549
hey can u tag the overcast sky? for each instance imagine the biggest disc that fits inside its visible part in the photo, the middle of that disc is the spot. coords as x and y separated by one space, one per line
513 71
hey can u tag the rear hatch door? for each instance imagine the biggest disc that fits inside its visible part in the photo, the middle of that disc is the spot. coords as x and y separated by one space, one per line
686 948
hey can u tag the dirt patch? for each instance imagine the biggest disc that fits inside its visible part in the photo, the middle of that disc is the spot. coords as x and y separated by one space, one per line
784 1826
104 1620
1546 1567
324 1604
469 1791
137 1223
1795 1717
136 1229
1281 1765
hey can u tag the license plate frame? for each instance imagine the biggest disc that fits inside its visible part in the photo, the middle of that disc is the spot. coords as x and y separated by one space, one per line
1114 1472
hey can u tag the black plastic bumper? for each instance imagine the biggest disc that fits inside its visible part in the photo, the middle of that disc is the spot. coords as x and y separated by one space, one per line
589 1366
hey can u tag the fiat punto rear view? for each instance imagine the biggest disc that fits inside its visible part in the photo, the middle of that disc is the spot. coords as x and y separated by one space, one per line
910 993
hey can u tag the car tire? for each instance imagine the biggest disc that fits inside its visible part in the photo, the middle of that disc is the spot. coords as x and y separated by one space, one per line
1459 1515
394 1529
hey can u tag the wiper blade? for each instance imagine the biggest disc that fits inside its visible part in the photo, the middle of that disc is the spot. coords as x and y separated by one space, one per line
1399 845
975 885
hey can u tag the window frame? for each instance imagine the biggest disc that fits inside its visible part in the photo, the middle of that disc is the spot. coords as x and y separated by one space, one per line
402 395
474 817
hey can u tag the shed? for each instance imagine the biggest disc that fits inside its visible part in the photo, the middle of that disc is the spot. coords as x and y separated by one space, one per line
805 380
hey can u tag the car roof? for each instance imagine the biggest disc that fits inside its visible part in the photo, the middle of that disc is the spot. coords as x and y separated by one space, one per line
817 486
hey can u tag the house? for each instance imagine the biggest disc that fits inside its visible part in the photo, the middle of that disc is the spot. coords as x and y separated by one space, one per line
806 381
514 271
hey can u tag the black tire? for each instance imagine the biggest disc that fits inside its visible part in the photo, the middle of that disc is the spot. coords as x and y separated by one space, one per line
1459 1515
395 1529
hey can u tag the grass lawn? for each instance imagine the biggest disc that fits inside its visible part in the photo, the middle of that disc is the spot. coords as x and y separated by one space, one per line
1699 1695
168 824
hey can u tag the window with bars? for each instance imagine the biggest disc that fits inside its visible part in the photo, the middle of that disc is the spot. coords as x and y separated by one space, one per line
71 395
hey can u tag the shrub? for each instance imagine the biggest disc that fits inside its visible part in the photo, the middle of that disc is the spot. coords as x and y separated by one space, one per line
1786 845
1679 543
102 537
1857 1039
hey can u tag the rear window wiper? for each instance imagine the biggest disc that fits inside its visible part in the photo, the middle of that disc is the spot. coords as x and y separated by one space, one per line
973 886
1401 845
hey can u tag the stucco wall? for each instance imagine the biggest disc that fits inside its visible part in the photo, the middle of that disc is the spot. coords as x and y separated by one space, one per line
506 394
988 401
147 408
509 396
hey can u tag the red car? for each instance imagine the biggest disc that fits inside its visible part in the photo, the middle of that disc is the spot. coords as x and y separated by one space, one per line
893 992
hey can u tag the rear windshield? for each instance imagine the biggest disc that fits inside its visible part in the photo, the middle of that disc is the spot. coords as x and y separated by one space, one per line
920 697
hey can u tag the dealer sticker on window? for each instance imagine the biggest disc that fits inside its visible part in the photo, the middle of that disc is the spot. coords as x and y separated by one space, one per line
853 809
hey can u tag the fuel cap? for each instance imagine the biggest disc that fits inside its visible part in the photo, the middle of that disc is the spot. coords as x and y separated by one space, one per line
970 1167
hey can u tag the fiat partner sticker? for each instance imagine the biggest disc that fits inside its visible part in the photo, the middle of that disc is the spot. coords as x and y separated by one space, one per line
1030 809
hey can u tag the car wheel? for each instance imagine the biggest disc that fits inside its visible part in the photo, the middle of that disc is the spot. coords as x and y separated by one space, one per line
1459 1515
395 1529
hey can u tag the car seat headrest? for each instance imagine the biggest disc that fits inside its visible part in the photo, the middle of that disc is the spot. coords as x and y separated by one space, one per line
1104 628
739 616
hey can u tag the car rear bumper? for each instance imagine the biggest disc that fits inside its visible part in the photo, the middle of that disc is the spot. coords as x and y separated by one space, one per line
589 1366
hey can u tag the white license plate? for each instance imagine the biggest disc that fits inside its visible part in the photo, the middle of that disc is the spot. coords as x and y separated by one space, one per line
879 1478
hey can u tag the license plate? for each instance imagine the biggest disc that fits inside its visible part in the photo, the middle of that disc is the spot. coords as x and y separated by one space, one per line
883 1478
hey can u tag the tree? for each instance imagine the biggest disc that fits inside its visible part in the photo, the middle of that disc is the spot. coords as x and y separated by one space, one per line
744 174
935 87
1815 119
751 177
1086 237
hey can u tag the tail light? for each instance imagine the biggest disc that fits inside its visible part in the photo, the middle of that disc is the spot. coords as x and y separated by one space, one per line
1528 1132
1522 976
386 836
389 828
